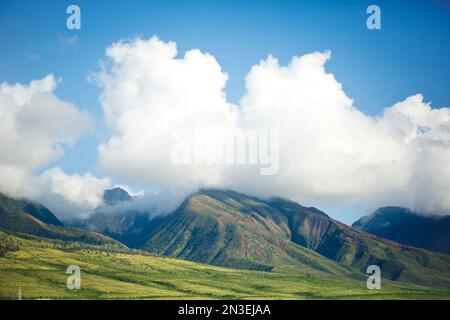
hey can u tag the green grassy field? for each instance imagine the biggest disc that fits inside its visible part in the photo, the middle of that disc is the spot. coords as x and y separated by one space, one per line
38 268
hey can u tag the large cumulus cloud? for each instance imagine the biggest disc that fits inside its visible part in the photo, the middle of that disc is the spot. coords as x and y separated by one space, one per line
331 153
148 94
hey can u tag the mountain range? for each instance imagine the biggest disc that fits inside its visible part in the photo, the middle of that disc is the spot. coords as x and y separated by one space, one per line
230 229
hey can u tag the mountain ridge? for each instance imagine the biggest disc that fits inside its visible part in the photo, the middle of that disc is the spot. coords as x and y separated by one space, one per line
178 235
404 226
27 217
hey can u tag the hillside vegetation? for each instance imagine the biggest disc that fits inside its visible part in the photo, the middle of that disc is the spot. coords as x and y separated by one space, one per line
38 268
223 244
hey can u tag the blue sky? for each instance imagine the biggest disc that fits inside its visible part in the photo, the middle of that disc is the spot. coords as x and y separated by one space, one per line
410 54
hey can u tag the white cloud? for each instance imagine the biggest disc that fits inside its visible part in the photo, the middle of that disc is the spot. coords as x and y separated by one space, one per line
36 123
147 94
71 194
153 202
35 126
84 190
424 134
331 153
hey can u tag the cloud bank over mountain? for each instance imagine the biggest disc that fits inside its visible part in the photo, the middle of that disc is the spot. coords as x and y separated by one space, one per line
331 153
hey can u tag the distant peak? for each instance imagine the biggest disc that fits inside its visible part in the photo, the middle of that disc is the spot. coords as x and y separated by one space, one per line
115 196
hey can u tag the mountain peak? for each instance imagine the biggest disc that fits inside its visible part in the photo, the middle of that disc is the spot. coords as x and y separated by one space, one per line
115 196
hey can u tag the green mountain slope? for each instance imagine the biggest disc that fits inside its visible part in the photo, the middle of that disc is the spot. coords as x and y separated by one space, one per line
26 217
404 226
34 209
221 230
38 268
230 229
350 246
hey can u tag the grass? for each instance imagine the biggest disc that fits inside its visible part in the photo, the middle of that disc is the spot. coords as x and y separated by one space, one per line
38 268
